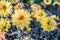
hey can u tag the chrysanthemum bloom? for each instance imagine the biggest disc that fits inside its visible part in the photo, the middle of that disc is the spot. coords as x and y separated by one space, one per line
2 36
35 7
47 2
56 3
18 6
21 18
4 25
38 14
5 8
48 24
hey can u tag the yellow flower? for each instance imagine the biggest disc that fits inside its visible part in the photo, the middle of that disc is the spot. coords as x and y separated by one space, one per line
56 3
5 8
21 18
4 25
39 14
47 2
19 6
35 7
48 24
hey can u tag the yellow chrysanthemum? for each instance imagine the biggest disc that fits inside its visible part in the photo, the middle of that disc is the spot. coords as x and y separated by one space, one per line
48 24
39 14
35 7
5 8
4 25
21 18
19 6
56 3
47 2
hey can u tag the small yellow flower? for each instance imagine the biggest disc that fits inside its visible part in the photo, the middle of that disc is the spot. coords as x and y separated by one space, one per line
48 24
4 25
21 18
56 3
35 7
5 8
38 14
19 6
47 2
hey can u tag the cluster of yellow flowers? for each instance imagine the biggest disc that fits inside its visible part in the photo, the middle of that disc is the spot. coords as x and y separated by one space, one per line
21 18
47 22
5 10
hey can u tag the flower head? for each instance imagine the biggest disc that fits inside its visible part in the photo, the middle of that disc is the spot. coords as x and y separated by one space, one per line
35 7
5 8
19 6
56 3
4 25
38 14
21 18
47 2
48 24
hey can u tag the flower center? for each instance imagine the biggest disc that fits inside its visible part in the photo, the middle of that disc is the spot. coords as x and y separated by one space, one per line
48 23
41 14
4 7
21 18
